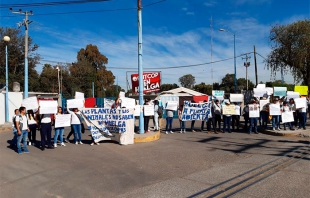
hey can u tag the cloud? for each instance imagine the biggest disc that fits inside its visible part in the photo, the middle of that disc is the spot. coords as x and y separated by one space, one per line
190 13
210 3
184 9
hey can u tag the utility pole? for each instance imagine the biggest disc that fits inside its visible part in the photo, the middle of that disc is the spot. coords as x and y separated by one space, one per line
25 23
140 68
255 64
247 64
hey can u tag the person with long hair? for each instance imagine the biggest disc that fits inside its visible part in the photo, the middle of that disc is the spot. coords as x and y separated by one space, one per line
76 123
59 131
156 116
182 123
32 124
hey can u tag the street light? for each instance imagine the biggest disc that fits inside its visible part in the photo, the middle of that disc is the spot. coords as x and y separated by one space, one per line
235 80
7 40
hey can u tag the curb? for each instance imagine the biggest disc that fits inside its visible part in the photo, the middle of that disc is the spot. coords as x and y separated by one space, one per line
274 133
5 129
147 137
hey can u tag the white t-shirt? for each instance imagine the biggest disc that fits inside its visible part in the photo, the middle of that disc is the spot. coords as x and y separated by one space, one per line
46 118
31 120
22 119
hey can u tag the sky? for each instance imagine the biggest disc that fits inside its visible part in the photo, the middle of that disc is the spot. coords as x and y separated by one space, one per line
175 33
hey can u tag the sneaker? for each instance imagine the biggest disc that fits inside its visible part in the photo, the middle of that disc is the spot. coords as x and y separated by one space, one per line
110 134
256 132
92 144
171 132
66 141
193 131
273 129
216 132
76 143
20 152
184 131
81 142
62 144
55 145
181 131
97 143
26 151
209 132
29 143
166 132
278 129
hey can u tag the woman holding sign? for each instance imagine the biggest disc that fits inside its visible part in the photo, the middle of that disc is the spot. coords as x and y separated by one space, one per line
32 124
76 122
253 115
227 119
59 131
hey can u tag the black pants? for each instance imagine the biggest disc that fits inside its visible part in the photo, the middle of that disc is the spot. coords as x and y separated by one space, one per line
218 120
211 121
146 123
46 133
235 122
246 121
202 125
70 133
33 133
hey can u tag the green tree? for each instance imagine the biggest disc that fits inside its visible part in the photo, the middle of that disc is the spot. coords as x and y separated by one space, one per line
16 59
278 83
113 91
228 83
291 50
203 88
167 87
187 81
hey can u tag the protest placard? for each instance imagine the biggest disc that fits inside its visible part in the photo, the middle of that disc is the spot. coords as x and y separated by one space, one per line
218 94
287 117
137 110
172 105
75 103
122 94
229 109
302 90
261 86
263 104
236 97
274 109
300 102
292 94
62 120
79 95
279 91
259 92
48 106
269 90
128 103
148 110
30 103
195 111
254 110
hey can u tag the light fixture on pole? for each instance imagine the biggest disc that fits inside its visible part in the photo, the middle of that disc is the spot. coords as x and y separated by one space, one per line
7 119
235 79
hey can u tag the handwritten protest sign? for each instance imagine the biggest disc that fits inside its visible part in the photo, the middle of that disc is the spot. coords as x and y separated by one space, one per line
279 91
148 110
48 107
218 94
274 109
128 103
62 120
137 110
261 86
259 92
236 97
269 90
195 111
302 90
300 102
79 95
229 109
30 103
287 117
75 103
254 110
263 104
172 105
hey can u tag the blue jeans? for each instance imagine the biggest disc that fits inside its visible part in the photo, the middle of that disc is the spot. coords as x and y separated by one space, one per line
253 123
59 131
14 140
77 132
227 120
302 119
24 135
182 125
169 123
289 124
275 121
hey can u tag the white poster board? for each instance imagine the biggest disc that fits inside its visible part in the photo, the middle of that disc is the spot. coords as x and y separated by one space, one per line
137 110
30 103
128 103
287 117
79 95
148 110
279 91
172 105
263 104
259 92
269 90
261 86
300 103
48 106
292 94
254 110
62 120
75 103
236 97
122 94
274 109
218 94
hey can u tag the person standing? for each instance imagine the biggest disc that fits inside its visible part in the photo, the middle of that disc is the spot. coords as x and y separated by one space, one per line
46 130
156 115
182 123
59 131
286 108
218 114
211 120
21 124
13 142
253 120
302 115
275 118
169 120
292 106
116 104
76 123
32 124
146 118
236 117
227 120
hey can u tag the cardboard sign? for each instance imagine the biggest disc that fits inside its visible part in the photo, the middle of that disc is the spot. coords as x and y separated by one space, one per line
148 110
62 120
287 117
75 103
151 82
302 90
279 91
263 104
259 92
137 110
300 103
30 103
128 103
48 106
172 105
254 110
292 94
122 94
261 86
236 97
229 109
79 95
218 94
274 109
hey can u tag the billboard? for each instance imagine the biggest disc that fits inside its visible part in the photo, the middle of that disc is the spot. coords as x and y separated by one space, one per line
151 82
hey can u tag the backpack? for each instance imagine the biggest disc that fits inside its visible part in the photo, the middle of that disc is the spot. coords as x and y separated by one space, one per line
160 110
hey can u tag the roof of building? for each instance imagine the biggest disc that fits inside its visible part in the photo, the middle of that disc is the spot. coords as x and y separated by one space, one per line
183 91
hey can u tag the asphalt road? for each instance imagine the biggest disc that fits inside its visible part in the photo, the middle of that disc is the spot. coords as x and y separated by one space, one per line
177 165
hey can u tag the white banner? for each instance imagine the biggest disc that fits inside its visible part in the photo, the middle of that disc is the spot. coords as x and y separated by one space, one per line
48 106
300 102
30 103
148 110
172 105
128 103
236 97
195 111
274 109
79 95
75 103
254 110
62 120
263 104
287 117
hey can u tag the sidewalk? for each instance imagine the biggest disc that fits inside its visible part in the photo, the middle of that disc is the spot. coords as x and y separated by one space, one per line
6 127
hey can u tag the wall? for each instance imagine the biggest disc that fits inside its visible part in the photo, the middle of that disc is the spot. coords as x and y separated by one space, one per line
15 101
